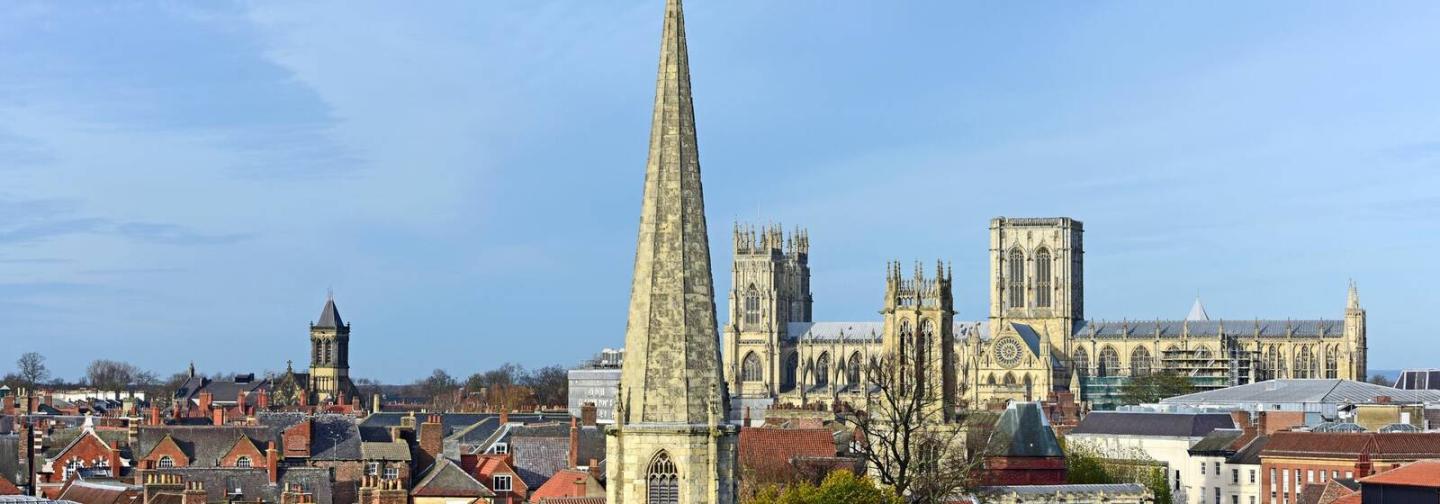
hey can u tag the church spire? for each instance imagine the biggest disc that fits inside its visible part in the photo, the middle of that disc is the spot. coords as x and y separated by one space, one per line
672 374
329 315
1197 311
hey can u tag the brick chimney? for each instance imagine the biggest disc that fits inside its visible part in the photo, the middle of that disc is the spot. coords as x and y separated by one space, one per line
431 440
588 414
218 415
746 422
262 400
504 417
194 493
272 463
240 404
391 492
154 415
205 399
594 469
574 460
155 483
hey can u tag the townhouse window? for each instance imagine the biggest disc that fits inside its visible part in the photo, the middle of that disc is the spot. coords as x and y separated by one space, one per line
1309 475
1235 499
1177 479
1285 480
242 462
1252 499
1202 468
1234 476
500 483
232 485
1217 495
1322 475
372 468
1217 468
500 448
392 472
1252 475
1349 475
165 462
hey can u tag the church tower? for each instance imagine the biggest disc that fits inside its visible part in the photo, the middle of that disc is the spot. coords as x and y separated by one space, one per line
919 327
1037 276
1355 332
769 289
671 442
330 355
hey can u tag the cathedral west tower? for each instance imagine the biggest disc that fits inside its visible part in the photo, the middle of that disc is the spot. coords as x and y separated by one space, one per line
671 442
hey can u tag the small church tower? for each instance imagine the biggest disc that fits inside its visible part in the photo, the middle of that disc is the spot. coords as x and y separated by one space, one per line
330 355
671 442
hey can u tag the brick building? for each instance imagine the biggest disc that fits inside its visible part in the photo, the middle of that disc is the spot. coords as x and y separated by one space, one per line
1293 459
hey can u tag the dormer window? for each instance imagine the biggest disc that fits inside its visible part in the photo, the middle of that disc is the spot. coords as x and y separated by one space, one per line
500 483
500 448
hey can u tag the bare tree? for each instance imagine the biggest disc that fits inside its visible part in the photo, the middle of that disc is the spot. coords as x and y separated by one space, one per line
31 366
106 374
908 439
551 385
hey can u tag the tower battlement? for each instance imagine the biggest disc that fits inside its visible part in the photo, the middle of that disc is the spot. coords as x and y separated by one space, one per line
919 290
771 239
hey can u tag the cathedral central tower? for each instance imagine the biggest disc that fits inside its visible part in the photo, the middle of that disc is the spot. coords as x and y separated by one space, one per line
671 442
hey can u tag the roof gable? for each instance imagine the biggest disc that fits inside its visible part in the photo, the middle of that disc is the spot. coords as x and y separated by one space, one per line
168 447
446 479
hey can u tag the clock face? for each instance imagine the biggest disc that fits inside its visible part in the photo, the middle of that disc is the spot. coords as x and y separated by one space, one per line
1007 352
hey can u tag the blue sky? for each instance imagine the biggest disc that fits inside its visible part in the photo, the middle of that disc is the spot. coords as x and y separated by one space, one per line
186 180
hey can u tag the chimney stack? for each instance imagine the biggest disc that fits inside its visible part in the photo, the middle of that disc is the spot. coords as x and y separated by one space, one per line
219 416
574 460
504 417
431 439
588 415
262 400
154 414
594 469
272 463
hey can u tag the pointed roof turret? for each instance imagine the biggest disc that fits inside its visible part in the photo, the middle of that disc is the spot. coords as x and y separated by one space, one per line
330 316
673 372
1352 298
1197 311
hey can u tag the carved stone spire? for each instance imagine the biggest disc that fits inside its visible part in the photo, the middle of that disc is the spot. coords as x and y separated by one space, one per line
672 367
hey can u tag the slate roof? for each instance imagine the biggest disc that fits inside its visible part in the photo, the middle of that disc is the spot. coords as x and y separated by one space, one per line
1023 431
542 450
397 450
335 437
447 479
88 492
1303 391
1153 424
255 483
1109 488
203 445
1165 329
330 316
1217 442
10 465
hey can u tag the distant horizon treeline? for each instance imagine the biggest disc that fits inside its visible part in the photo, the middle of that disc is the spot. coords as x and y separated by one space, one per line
509 385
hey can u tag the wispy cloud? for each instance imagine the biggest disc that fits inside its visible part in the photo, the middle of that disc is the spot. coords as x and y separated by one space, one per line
30 221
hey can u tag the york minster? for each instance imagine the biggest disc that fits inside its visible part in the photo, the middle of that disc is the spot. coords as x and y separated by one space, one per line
1036 338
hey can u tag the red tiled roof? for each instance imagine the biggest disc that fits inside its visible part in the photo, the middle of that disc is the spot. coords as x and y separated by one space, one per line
1381 446
573 500
771 449
1424 473
566 483
8 488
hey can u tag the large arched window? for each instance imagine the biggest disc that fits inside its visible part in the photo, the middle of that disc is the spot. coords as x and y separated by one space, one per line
1017 279
752 306
1029 387
1109 362
852 371
662 481
907 345
1302 367
1009 380
1140 362
990 379
750 368
1081 360
243 462
1332 362
1202 353
822 370
1042 278
165 462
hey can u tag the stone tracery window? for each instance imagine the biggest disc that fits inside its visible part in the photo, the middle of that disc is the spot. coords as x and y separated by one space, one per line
1016 283
1009 380
1042 278
792 369
752 306
1081 360
750 368
822 370
1140 362
662 481
1109 362
1332 362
